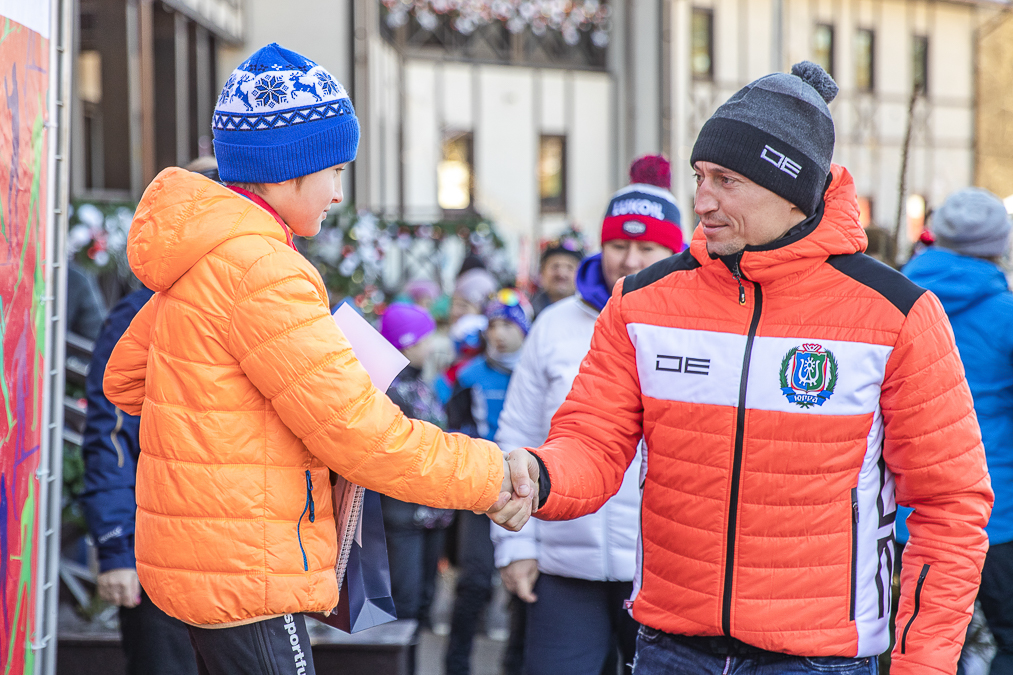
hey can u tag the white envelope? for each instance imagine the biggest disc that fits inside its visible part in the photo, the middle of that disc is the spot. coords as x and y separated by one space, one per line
380 358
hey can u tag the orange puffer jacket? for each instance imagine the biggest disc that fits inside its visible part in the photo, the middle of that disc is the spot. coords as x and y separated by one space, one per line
782 420
248 393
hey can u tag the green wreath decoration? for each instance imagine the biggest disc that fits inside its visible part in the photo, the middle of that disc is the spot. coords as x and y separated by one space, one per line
784 366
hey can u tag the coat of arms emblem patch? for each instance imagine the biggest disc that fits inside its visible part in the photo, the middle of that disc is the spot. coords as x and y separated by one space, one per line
808 375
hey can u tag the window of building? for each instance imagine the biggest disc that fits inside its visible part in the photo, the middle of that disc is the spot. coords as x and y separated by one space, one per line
702 47
916 209
865 212
823 47
89 91
552 173
920 63
865 72
454 175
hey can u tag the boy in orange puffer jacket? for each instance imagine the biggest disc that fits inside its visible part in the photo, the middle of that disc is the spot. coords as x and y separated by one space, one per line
248 392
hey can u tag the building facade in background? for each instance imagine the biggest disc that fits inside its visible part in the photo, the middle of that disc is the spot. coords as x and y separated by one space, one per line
994 100
536 133
145 87
906 71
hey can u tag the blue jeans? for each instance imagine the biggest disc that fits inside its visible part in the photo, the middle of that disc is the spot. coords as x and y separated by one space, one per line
660 654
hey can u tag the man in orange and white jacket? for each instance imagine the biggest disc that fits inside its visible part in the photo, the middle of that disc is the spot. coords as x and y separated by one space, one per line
790 391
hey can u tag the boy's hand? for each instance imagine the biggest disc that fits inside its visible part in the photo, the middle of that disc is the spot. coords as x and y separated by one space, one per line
519 498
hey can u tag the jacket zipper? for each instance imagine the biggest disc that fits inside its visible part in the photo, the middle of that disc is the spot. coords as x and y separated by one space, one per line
854 551
605 548
738 277
298 527
628 604
918 606
740 422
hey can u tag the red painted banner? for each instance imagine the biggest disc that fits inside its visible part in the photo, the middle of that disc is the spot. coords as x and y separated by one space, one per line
24 65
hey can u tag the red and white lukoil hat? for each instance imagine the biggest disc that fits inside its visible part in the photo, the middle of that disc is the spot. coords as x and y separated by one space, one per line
642 212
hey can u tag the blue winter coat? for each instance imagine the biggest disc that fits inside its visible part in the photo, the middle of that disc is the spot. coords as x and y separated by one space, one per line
979 305
110 449
477 400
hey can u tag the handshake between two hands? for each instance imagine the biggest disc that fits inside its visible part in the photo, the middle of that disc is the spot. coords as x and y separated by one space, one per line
519 496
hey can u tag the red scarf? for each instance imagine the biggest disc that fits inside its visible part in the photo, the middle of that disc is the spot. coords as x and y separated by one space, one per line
259 201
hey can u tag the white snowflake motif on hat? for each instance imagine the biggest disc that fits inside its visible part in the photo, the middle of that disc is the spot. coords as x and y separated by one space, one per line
252 101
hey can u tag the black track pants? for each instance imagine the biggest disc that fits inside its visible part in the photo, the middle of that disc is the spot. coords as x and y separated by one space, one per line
278 646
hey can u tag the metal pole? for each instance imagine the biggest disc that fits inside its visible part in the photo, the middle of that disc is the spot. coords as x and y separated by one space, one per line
146 14
50 474
681 21
362 168
134 98
777 37
182 49
205 95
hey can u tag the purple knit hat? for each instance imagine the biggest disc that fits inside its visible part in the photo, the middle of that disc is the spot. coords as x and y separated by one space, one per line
404 324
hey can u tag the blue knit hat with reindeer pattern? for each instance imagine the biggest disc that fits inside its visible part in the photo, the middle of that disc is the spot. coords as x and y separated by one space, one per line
282 116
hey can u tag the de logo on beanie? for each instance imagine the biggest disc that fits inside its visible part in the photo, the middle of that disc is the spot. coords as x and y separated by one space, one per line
282 116
641 212
776 131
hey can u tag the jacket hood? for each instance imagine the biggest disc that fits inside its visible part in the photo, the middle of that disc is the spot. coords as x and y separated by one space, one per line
590 282
182 217
959 281
837 232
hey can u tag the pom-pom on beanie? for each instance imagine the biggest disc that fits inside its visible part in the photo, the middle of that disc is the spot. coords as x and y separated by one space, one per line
972 222
776 131
405 324
652 170
282 116
642 212
510 305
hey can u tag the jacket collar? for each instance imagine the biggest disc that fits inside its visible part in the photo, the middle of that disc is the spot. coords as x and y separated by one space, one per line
262 203
833 230
182 217
590 283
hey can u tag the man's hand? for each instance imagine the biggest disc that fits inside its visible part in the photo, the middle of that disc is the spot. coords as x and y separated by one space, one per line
519 577
120 587
519 498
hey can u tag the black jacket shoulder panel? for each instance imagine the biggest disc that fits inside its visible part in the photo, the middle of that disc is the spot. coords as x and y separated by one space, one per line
888 282
680 262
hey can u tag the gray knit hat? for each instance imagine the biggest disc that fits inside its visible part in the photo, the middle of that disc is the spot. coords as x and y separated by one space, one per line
973 222
776 131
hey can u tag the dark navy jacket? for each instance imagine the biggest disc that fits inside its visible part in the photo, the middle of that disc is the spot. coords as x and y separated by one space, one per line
111 449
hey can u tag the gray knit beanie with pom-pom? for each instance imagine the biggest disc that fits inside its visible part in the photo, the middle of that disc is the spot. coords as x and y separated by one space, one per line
778 132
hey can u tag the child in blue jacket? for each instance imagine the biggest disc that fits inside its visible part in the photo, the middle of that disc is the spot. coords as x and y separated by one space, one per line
474 408
154 642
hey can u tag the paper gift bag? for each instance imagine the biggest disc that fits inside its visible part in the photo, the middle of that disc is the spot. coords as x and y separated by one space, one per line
363 570
366 599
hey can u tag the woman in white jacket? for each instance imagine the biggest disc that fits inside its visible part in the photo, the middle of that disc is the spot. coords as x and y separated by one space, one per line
577 574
